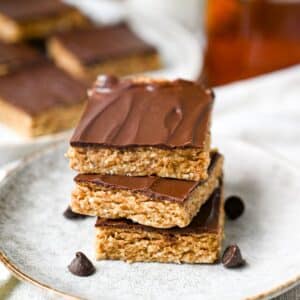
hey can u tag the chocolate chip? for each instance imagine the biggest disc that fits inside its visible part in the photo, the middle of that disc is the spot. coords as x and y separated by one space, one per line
107 81
234 207
69 214
81 265
232 257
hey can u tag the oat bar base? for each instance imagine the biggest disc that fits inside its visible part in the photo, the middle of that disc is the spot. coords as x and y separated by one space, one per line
143 246
154 247
120 66
95 200
188 163
51 121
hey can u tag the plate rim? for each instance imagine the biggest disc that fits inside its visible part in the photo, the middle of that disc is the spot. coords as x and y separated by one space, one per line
28 279
273 292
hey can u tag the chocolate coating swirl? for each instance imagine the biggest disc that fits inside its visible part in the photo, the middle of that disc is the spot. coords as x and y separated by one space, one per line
168 114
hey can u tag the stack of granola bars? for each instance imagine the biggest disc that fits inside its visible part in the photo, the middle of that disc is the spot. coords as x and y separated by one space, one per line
146 170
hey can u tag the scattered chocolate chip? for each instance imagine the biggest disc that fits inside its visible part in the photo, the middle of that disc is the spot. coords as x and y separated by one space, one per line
234 207
107 81
69 214
81 265
232 257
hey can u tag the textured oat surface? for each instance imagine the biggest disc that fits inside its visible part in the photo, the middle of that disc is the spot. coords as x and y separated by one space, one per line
190 163
132 246
41 243
134 243
109 203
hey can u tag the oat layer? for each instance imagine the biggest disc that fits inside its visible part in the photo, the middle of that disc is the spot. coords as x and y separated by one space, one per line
137 245
187 163
113 203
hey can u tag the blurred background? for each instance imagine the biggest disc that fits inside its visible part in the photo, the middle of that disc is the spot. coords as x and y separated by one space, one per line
241 39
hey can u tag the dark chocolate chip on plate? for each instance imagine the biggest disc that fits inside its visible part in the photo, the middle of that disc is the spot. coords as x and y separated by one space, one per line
232 257
69 214
81 265
234 207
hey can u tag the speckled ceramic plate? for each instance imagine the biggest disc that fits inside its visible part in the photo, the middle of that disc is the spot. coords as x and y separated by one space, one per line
37 243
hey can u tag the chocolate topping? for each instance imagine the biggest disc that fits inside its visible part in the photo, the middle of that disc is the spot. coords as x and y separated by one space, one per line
30 10
96 44
166 114
81 265
40 88
13 56
207 220
151 186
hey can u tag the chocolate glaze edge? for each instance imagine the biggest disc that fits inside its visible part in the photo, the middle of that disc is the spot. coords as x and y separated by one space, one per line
150 50
134 146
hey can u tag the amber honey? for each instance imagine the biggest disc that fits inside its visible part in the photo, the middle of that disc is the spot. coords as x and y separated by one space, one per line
250 38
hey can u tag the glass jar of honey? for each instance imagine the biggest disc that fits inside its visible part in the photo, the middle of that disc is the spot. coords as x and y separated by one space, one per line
249 38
